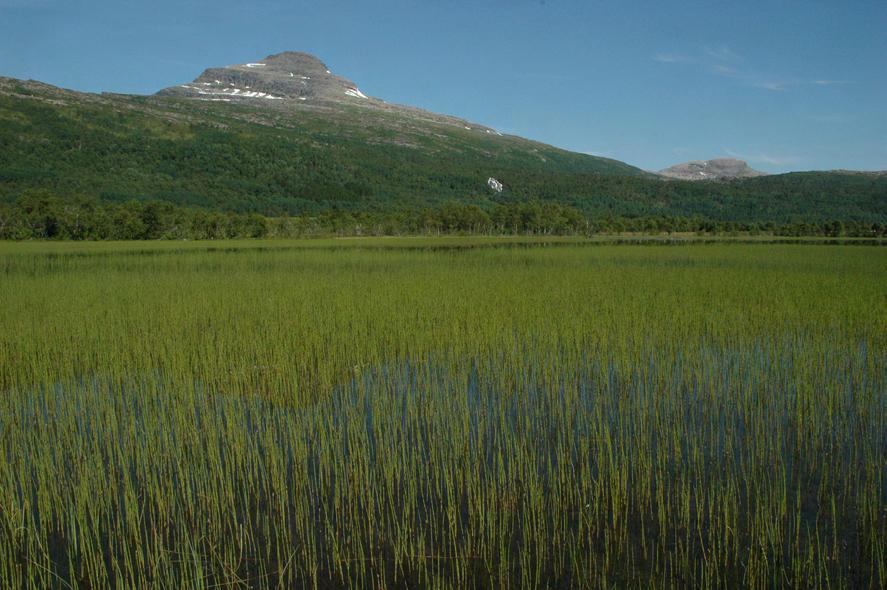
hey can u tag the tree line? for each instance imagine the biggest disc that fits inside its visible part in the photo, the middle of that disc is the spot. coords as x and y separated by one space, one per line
39 215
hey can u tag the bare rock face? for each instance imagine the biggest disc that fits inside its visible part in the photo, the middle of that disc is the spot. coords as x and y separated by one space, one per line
284 76
719 169
295 80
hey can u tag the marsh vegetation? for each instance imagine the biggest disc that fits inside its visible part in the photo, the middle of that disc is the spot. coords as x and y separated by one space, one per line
393 413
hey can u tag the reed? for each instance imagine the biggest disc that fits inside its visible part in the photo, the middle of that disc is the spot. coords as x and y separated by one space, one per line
442 413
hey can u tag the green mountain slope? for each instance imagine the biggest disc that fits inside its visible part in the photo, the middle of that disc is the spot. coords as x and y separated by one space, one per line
249 158
356 156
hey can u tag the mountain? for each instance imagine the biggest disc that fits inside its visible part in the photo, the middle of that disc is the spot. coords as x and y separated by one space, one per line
860 172
281 135
292 80
319 145
288 75
718 169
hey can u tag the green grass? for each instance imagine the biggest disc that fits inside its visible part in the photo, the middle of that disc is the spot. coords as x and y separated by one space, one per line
442 413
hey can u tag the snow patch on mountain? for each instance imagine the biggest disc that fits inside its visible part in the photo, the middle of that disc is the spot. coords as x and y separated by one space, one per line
236 92
355 92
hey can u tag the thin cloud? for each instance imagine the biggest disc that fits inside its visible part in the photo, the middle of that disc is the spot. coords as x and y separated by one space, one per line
776 86
780 85
726 71
831 82
722 53
751 79
668 58
726 63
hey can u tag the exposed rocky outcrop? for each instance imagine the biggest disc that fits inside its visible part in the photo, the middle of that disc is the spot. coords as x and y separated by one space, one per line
284 76
718 169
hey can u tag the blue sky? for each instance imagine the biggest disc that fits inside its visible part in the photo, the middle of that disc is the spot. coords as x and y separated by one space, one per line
786 85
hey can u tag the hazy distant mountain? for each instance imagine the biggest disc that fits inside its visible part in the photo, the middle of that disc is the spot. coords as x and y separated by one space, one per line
718 169
870 173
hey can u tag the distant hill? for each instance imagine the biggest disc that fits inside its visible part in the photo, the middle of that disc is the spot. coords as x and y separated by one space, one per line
860 172
718 169
284 135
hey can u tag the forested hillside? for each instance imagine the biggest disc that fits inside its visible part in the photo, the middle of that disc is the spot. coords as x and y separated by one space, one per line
349 161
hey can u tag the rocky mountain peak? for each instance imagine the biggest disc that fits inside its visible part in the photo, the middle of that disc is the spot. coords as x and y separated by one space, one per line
297 62
294 79
717 169
283 76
